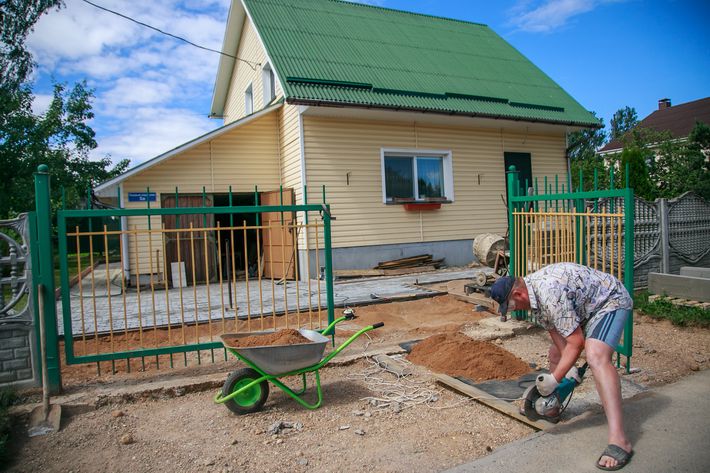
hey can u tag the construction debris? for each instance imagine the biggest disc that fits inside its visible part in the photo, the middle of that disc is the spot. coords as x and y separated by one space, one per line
398 267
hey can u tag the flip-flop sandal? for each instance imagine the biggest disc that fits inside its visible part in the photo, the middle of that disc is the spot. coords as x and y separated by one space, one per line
617 453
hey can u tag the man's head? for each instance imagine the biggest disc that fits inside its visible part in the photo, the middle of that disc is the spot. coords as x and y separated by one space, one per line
511 294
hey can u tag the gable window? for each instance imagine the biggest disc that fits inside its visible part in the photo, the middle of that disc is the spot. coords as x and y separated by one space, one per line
416 176
248 101
267 76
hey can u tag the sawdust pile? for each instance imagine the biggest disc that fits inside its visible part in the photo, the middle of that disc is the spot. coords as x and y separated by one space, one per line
287 336
456 354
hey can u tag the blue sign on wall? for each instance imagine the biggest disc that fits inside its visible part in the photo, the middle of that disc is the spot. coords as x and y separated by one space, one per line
141 197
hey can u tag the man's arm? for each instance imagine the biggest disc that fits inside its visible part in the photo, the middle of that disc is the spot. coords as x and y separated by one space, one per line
570 348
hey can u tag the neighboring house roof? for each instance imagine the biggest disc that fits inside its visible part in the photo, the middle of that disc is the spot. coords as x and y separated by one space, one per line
105 188
328 52
678 120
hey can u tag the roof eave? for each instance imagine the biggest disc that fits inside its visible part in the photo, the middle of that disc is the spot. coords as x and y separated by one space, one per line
230 45
326 103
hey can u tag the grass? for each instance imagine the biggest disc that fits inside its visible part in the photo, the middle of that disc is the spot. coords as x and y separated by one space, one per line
662 308
7 397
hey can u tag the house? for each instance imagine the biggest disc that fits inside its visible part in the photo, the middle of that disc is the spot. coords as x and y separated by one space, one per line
677 120
387 109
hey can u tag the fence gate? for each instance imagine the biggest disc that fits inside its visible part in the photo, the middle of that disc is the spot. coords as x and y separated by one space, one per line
551 225
126 303
18 337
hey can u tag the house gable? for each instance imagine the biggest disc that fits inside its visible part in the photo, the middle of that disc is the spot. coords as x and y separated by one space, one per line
251 75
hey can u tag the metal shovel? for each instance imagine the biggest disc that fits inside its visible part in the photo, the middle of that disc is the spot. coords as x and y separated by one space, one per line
44 419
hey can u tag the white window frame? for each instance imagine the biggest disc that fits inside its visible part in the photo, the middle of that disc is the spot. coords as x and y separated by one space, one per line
447 164
249 100
268 82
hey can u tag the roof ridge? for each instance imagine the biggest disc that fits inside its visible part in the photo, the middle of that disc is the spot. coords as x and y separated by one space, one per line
377 7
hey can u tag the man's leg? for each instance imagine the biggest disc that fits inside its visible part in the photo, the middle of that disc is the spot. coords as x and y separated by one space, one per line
606 378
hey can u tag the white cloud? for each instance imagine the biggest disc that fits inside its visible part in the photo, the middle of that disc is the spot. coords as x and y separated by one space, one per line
151 132
152 91
548 15
129 91
41 103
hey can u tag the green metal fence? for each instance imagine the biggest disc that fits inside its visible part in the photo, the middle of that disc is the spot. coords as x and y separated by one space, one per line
128 299
549 224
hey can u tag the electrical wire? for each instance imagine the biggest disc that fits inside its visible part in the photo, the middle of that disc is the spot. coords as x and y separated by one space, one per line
251 64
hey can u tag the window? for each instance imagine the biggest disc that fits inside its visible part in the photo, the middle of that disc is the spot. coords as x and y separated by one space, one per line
416 176
267 76
248 101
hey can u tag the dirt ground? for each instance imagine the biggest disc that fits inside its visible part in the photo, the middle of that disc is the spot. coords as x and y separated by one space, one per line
359 427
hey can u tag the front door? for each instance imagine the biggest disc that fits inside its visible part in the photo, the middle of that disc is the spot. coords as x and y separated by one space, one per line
522 164
277 237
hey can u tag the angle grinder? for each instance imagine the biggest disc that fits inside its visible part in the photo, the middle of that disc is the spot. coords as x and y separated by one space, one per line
550 408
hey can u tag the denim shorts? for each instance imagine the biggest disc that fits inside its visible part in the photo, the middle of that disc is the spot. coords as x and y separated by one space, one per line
609 327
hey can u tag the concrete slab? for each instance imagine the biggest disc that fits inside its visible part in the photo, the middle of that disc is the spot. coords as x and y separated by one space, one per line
685 287
108 310
695 272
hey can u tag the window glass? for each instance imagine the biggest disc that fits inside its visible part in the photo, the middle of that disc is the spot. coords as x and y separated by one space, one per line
248 101
269 84
430 177
399 177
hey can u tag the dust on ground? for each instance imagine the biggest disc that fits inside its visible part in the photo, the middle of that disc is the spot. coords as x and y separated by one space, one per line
350 431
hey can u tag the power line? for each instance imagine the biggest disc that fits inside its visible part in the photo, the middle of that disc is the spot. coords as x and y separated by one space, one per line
249 63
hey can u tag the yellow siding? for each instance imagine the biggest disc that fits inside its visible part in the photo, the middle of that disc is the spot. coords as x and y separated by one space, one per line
244 74
244 157
336 147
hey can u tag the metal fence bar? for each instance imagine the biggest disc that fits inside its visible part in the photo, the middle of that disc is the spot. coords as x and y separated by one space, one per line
195 336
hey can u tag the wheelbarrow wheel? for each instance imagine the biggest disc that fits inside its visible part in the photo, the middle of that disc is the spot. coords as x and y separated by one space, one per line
247 401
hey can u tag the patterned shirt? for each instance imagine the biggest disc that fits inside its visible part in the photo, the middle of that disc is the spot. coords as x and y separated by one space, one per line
565 296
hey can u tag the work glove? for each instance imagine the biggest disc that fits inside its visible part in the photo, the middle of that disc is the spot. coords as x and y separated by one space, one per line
546 384
574 374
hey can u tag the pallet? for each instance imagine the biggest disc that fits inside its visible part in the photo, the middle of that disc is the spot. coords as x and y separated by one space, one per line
680 301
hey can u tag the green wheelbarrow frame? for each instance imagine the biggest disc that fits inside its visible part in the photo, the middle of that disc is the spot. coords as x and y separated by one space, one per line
255 397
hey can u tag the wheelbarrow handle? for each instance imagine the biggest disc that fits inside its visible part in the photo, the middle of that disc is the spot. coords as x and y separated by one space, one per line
378 325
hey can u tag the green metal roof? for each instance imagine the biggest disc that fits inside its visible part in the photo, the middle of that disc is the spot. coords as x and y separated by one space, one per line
328 51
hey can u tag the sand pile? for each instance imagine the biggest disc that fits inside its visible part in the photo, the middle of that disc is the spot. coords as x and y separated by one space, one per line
456 354
287 336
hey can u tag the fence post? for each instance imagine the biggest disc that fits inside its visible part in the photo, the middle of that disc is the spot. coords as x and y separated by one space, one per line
512 175
328 254
665 236
44 275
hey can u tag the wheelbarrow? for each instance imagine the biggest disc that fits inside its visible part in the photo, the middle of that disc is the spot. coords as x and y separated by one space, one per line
247 389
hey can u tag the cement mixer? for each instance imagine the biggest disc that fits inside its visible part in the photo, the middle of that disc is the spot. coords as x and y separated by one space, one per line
487 246
491 250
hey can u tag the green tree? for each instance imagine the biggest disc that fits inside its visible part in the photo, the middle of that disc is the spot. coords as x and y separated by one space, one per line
624 119
636 158
60 137
683 166
582 152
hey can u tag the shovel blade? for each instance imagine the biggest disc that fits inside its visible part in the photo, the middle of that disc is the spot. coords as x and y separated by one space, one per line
41 425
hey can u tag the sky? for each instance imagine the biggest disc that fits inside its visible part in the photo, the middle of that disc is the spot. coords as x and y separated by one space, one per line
153 92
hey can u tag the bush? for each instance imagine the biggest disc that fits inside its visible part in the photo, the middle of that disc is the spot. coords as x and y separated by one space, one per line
662 308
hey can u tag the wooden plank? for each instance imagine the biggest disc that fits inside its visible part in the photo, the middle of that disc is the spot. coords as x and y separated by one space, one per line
401 271
686 287
492 401
356 273
653 297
